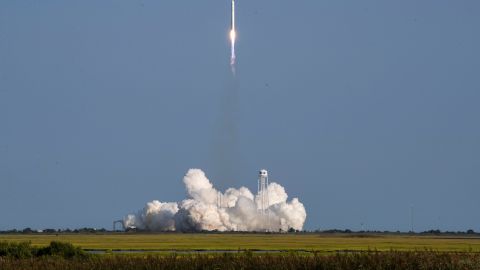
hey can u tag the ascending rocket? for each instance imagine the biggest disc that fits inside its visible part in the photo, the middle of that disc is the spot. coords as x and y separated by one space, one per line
233 36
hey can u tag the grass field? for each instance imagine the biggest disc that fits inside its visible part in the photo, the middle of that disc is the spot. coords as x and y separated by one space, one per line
308 242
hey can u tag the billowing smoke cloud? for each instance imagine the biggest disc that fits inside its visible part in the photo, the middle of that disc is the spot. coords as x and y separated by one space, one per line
208 209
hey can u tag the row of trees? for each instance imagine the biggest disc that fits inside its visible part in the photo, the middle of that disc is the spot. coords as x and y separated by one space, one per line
399 232
346 231
53 231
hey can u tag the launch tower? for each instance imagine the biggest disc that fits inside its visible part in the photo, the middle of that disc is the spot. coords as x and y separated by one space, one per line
263 198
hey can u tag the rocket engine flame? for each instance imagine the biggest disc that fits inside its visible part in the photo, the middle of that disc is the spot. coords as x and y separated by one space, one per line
233 35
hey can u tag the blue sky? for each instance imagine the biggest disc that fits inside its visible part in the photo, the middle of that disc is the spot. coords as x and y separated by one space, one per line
359 108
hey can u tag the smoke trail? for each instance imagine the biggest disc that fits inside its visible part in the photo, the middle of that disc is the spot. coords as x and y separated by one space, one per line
201 211
233 36
225 154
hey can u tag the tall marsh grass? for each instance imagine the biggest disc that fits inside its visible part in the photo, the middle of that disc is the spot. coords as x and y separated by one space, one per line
392 260
60 255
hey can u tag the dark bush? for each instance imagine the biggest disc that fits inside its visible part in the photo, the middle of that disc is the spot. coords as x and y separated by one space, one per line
16 250
25 250
65 250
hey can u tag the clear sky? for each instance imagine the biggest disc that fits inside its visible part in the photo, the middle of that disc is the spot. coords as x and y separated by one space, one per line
361 109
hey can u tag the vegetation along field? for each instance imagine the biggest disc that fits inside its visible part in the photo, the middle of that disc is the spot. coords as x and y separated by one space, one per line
209 251
269 242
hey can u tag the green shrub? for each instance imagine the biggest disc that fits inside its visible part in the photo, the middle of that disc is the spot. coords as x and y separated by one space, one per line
65 250
16 250
24 250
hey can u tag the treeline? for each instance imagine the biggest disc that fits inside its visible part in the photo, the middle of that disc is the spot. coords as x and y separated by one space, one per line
429 232
331 231
55 231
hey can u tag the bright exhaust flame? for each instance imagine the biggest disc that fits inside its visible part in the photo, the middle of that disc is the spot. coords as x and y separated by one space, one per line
233 36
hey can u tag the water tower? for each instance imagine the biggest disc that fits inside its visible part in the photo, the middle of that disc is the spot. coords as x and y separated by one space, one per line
263 199
263 191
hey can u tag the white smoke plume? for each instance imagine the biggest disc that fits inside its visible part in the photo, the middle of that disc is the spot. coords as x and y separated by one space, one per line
207 209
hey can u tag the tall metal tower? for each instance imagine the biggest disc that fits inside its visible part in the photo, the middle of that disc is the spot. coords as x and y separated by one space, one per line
220 203
263 190
264 198
118 222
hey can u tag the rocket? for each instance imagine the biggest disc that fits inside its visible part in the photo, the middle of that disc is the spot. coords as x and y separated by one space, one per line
233 35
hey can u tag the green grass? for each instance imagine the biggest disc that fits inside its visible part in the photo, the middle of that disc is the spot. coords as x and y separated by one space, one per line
308 242
391 260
